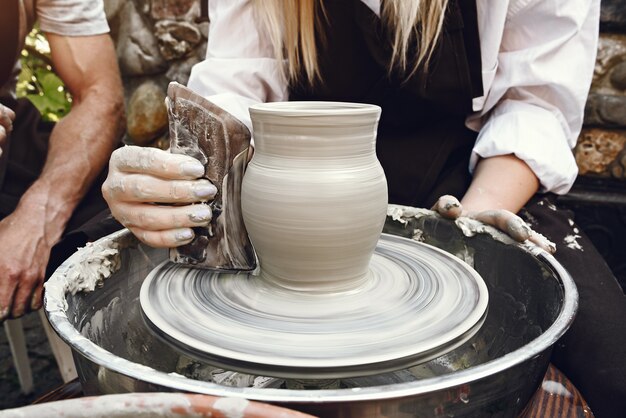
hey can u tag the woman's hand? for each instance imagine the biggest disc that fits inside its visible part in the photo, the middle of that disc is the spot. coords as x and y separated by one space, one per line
152 193
502 219
501 186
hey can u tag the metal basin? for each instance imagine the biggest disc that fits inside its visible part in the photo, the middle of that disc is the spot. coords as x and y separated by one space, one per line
532 302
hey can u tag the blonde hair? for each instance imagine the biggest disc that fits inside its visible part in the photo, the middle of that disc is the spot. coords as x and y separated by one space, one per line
291 25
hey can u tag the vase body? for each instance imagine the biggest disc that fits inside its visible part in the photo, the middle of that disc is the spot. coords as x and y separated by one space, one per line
314 196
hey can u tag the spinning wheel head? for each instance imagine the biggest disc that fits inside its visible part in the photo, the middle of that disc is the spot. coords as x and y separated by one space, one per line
417 303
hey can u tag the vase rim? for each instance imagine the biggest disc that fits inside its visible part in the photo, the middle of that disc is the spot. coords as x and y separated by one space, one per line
314 108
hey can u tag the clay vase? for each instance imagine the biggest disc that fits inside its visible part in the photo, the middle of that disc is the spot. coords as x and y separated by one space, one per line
314 195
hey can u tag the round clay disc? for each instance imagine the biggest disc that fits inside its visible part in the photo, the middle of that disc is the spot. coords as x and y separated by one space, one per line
417 303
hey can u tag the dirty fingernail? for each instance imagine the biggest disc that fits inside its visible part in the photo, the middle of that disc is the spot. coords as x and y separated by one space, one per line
518 229
192 168
204 191
18 312
184 235
543 242
201 214
36 302
526 231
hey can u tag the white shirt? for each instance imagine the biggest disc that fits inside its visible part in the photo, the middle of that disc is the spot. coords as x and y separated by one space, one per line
537 63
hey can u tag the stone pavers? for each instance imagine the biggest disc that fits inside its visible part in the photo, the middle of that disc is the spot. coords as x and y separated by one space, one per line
46 376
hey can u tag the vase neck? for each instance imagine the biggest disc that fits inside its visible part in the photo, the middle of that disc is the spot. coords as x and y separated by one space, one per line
315 141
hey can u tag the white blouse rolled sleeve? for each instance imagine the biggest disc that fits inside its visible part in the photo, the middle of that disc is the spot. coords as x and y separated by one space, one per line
240 68
534 105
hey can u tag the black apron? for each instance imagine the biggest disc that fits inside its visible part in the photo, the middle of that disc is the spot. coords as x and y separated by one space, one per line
423 144
424 148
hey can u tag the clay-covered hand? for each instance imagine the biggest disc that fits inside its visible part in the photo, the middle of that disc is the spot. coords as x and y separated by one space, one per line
504 220
7 116
157 195
25 247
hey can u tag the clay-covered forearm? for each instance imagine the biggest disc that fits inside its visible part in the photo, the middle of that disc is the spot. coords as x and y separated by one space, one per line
502 182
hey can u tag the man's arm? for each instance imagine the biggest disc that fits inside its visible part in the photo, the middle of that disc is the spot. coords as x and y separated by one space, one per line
79 147
82 142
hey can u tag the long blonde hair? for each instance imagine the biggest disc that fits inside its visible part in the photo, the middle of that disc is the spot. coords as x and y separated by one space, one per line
291 25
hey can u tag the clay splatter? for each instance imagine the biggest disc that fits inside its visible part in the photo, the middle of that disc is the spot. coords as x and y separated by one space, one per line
556 388
572 242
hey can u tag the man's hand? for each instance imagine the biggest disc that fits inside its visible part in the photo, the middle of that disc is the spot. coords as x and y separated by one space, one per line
502 219
7 116
79 147
150 192
25 247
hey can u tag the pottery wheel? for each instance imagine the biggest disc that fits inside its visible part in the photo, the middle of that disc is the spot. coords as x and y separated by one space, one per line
417 303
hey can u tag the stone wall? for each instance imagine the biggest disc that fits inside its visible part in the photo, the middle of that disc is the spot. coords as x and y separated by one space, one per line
598 198
601 150
157 41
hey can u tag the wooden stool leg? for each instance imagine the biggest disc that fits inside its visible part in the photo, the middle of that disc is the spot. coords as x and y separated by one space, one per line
17 343
62 352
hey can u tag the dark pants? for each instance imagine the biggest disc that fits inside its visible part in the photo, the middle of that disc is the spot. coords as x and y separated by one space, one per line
592 354
21 163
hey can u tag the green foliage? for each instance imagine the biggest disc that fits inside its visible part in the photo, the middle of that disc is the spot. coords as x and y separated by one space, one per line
37 81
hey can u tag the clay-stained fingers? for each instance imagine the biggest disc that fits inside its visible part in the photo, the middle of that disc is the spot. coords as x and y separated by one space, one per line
159 218
505 221
6 123
7 116
448 207
22 301
164 239
514 226
3 136
542 242
36 300
146 188
7 291
156 162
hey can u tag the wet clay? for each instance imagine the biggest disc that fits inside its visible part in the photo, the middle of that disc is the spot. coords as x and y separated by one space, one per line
97 262
470 227
202 130
314 196
416 303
